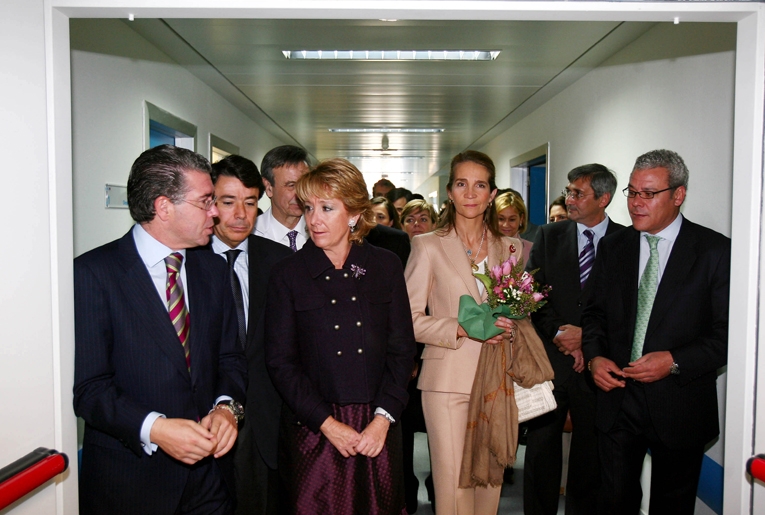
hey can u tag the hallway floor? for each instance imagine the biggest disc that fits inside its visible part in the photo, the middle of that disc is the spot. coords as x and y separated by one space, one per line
511 502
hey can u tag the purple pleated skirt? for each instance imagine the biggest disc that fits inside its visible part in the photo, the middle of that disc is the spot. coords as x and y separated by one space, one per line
319 480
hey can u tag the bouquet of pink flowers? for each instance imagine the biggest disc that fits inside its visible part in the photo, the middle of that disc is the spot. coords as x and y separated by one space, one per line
512 293
510 285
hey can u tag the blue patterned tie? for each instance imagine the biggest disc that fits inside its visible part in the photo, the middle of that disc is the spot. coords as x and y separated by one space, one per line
646 294
292 235
586 258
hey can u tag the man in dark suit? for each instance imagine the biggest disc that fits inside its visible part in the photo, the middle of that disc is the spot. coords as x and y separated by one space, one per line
158 373
238 188
655 331
564 253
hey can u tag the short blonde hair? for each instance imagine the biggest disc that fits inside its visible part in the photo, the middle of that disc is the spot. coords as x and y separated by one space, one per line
339 179
419 205
509 199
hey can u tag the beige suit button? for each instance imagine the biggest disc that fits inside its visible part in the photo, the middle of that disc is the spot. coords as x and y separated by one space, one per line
337 328
345 275
358 324
333 301
339 353
360 351
353 298
326 278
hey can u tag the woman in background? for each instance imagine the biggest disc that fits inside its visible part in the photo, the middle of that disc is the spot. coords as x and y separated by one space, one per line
440 269
418 217
385 213
558 211
341 352
513 219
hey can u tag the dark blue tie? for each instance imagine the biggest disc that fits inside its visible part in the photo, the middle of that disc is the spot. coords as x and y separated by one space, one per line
236 288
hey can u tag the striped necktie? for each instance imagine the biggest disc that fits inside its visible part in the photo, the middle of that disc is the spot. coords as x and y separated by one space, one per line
646 294
586 258
176 303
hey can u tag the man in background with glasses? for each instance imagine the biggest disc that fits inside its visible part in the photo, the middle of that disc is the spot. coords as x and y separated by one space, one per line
159 376
654 333
564 253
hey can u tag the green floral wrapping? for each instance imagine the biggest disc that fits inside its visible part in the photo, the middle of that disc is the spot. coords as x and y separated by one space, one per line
478 319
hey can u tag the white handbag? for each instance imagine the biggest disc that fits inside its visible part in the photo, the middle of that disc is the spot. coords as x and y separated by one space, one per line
534 401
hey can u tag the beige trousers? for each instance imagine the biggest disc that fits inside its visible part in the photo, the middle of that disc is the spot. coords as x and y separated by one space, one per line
446 419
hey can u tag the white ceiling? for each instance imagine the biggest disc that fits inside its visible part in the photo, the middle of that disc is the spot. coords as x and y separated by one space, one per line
298 101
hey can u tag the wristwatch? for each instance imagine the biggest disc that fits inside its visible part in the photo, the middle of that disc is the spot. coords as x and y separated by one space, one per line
234 407
674 369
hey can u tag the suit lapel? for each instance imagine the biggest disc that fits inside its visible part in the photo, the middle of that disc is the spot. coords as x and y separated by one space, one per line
456 254
138 287
629 256
258 286
679 265
569 251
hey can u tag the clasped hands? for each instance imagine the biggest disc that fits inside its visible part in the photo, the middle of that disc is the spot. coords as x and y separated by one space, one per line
189 442
502 322
350 443
647 369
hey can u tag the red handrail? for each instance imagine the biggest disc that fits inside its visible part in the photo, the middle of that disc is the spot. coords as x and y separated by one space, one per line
755 467
25 474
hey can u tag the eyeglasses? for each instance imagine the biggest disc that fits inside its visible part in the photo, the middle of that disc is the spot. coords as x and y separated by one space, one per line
645 195
206 204
576 195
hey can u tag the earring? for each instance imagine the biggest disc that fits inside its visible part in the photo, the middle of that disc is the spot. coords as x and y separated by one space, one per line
352 225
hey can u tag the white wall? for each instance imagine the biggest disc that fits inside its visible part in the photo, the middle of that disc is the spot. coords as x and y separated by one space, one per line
114 71
672 88
656 93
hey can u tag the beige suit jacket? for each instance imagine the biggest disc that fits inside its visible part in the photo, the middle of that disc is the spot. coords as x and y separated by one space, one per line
438 273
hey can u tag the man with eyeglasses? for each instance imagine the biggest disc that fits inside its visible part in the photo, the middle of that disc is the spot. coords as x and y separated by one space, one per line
654 333
564 253
159 377
238 187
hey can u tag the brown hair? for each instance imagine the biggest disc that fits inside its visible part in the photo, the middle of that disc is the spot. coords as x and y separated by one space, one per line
390 209
446 222
339 179
508 199
419 205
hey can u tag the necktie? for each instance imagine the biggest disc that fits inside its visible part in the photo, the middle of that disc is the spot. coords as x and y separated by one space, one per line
292 235
646 294
176 303
586 258
236 288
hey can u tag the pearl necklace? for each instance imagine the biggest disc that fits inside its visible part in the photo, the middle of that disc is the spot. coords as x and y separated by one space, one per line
470 252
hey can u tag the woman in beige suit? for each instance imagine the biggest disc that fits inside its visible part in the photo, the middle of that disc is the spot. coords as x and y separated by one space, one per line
440 269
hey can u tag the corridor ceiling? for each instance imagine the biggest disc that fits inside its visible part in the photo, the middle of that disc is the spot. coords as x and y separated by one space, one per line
300 100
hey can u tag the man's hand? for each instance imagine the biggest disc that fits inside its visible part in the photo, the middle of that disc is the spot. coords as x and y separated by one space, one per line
342 436
222 424
568 339
601 369
373 437
650 367
578 360
183 439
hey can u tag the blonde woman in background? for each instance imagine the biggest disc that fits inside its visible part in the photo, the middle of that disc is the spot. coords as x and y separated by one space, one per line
418 217
513 219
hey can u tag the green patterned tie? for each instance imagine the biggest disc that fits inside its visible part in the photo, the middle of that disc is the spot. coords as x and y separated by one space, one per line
646 294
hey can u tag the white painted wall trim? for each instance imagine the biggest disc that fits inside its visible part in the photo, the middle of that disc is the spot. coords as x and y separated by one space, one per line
747 187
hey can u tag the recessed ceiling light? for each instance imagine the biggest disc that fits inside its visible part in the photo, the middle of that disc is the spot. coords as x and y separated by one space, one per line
387 130
392 55
384 156
388 19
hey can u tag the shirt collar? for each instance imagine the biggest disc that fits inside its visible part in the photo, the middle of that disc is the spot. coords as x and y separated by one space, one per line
150 249
219 247
599 230
278 230
317 261
670 232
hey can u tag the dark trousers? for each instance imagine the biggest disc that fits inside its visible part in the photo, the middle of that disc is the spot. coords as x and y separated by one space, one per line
544 454
205 492
674 472
257 485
